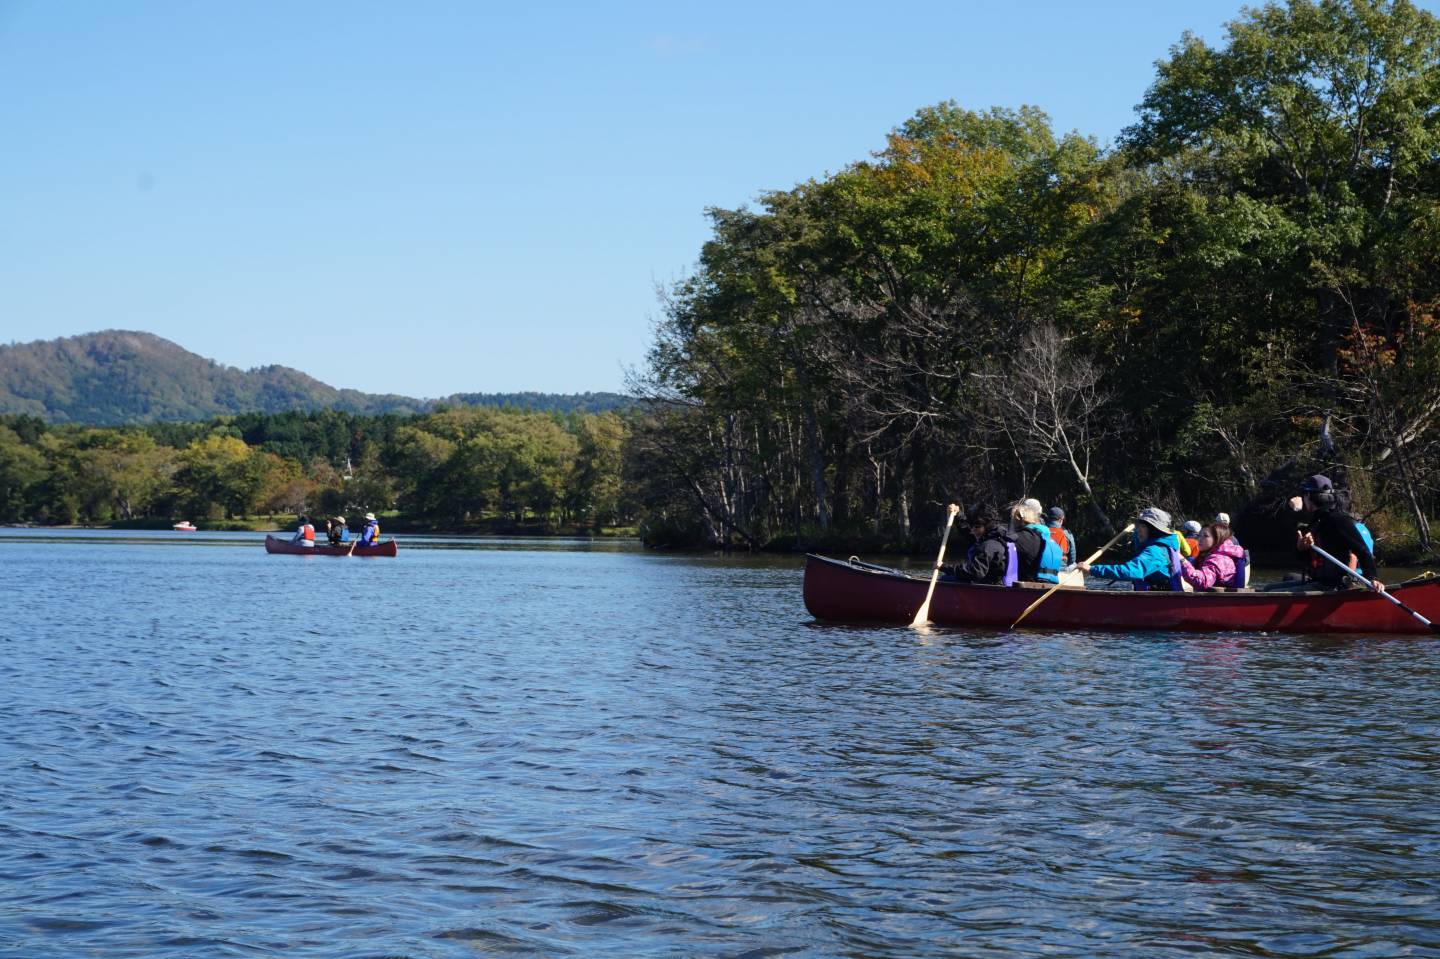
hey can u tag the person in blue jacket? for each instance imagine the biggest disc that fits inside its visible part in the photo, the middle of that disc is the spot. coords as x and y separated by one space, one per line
370 535
1156 565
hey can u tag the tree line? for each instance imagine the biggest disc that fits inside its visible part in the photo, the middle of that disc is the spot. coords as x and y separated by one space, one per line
451 469
1244 288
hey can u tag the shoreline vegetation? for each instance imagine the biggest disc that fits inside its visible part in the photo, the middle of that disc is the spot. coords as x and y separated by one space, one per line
1243 290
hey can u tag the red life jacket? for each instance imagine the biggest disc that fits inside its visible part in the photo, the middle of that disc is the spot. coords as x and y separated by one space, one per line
308 532
1059 535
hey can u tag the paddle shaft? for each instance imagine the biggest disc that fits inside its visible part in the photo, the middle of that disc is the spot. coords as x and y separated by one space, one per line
1089 559
922 615
1369 585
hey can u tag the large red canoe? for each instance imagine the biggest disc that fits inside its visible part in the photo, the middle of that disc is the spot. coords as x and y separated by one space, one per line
854 592
274 544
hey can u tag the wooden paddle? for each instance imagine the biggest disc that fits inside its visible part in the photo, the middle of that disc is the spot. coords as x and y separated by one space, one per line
1371 586
922 615
1089 559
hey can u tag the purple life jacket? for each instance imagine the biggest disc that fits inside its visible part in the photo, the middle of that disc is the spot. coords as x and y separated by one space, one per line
1012 563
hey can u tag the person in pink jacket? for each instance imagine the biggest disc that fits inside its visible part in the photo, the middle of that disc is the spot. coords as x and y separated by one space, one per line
1217 563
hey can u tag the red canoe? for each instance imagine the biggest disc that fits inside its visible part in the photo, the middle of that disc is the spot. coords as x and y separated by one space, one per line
274 544
853 592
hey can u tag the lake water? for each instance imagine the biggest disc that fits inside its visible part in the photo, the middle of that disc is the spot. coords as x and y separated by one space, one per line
572 749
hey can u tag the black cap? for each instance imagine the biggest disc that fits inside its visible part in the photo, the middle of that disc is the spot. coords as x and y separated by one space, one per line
1055 512
1316 483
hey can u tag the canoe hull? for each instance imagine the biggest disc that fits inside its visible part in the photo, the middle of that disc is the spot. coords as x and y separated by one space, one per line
838 591
276 545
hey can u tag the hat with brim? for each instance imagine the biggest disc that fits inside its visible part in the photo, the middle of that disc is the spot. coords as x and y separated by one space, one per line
1156 517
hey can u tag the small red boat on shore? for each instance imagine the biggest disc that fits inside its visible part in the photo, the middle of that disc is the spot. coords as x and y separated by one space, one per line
856 592
274 544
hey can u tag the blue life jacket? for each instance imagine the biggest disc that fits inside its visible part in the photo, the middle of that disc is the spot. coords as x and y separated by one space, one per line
1174 582
1051 556
1364 532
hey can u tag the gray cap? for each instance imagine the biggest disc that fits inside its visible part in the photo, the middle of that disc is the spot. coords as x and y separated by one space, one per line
1223 518
1156 517
1192 527
1056 513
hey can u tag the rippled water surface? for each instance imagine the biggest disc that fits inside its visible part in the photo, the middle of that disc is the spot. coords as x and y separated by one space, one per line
565 749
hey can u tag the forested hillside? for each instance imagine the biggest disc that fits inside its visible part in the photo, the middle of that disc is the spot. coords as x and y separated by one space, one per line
458 468
121 377
1242 290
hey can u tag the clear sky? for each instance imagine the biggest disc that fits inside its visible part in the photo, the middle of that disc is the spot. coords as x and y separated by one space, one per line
443 197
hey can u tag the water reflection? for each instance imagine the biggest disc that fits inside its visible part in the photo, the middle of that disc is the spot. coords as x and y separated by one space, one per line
537 749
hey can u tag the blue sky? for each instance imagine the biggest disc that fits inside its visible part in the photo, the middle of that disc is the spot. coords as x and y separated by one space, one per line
461 196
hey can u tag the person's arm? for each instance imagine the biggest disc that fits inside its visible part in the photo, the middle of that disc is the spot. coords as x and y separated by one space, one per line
1213 569
1134 569
974 567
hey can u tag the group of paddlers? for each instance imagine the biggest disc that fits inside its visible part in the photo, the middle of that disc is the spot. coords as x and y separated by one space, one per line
1197 556
337 532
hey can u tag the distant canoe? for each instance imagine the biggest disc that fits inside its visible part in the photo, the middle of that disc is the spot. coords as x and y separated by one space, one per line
274 544
854 592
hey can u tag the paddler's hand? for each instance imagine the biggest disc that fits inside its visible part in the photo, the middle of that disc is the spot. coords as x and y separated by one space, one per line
1083 567
953 510
1304 540
1379 586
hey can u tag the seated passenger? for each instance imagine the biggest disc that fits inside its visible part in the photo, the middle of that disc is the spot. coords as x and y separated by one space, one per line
992 558
1055 519
1219 560
305 534
1190 539
1157 563
1040 555
370 535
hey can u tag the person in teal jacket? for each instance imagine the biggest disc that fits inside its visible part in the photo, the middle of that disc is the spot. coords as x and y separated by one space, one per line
1157 563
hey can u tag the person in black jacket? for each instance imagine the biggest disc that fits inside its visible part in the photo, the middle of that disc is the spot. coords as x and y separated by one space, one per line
989 560
1030 542
1333 530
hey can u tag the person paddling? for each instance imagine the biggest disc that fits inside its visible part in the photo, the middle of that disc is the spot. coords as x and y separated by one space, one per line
1157 563
371 534
1333 530
992 558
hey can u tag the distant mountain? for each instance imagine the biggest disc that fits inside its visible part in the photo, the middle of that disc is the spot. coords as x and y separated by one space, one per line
121 376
